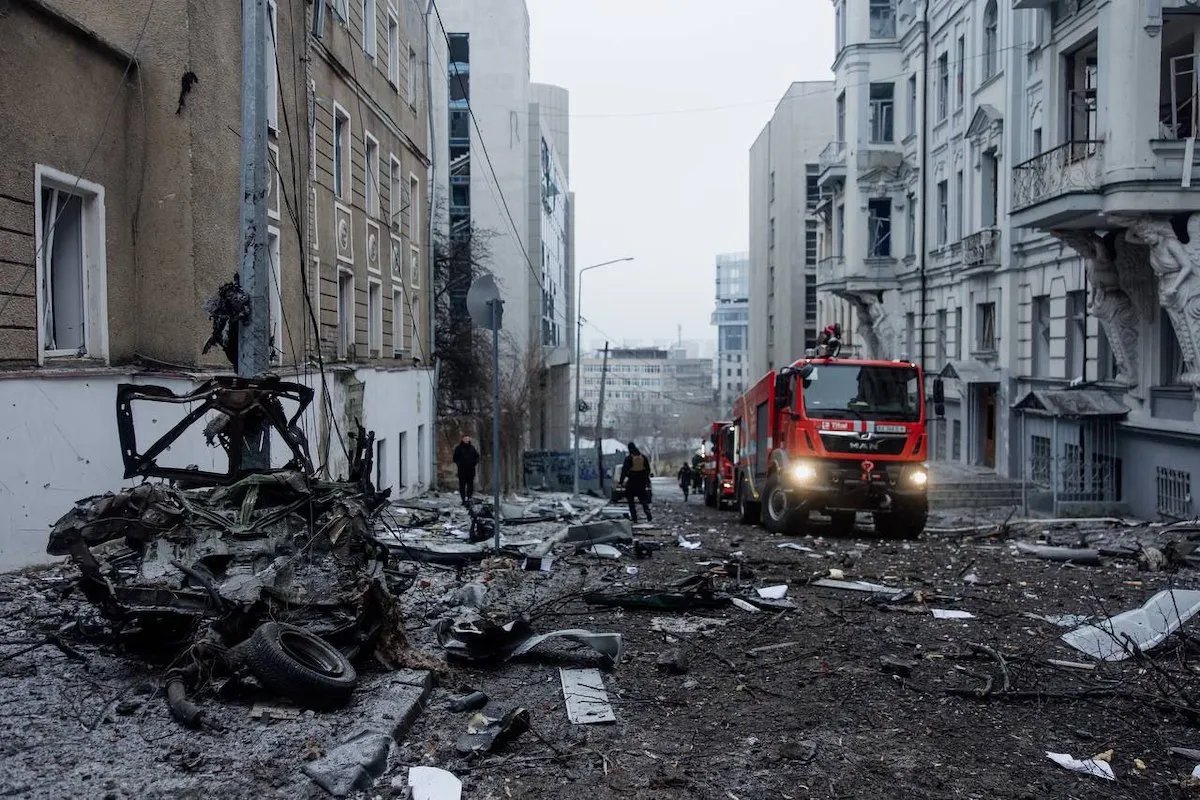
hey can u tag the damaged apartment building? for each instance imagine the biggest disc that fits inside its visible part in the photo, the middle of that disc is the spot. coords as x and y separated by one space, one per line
119 223
1023 223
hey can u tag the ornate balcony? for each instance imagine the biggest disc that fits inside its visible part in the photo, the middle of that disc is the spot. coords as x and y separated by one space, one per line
1071 168
832 161
981 248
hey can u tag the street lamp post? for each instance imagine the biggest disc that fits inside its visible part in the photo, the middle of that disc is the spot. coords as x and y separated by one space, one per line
578 359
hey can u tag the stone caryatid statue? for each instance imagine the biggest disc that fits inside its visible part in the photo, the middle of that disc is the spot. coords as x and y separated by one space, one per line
1177 267
1107 301
874 325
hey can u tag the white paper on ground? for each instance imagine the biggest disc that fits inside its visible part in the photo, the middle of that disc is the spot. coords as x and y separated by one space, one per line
773 592
431 783
951 613
685 544
794 546
743 605
603 551
1100 769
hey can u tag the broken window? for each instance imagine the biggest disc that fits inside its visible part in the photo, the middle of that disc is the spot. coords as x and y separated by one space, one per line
414 203
939 338
71 265
960 201
991 39
371 176
943 213
1076 333
990 194
275 298
397 321
395 193
840 118
1082 76
882 111
1039 460
912 105
810 244
812 186
960 66
1040 336
412 77
375 318
883 19
345 306
910 225
272 59
1170 362
1179 84
393 51
341 152
369 23
414 267
958 336
342 9
879 227
943 85
985 327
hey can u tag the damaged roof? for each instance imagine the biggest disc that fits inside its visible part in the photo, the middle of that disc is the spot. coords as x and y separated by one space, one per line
971 371
1074 403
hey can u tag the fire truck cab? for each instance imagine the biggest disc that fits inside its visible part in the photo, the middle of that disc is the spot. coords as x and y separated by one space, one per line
835 436
718 465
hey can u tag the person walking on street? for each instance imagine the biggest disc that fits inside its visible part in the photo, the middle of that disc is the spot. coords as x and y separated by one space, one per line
685 480
635 477
466 458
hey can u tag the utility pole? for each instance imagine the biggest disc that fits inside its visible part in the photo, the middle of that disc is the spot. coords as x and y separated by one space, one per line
497 307
600 422
254 271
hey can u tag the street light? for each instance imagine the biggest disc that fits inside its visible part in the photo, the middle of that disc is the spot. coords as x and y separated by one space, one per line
578 352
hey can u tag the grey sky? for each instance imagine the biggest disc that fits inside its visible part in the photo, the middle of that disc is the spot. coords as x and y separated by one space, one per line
666 99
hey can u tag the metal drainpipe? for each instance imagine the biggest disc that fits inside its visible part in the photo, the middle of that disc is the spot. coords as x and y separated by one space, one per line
924 168
431 186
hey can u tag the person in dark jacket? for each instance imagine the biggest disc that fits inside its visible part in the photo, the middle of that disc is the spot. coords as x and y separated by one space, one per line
466 458
685 480
635 477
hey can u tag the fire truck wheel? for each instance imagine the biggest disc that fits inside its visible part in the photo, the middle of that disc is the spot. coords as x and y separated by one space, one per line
776 507
842 522
748 511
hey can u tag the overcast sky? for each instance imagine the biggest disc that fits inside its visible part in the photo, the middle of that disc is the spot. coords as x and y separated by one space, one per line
666 98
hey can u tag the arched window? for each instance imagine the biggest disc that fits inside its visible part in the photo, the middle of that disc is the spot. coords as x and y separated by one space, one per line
991 39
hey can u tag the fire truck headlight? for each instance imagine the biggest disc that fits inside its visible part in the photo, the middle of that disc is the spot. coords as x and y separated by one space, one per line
804 473
918 477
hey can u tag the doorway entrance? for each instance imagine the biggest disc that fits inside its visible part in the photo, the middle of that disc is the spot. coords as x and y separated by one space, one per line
987 425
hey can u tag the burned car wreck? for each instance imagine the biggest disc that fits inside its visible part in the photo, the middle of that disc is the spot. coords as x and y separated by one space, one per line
270 574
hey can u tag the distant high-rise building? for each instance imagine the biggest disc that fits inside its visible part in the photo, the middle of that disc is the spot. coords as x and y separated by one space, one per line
731 317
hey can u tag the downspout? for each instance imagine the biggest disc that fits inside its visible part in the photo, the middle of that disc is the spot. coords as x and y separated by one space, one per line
924 166
431 183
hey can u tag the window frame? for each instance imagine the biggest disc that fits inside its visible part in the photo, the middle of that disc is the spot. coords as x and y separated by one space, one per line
343 182
346 328
412 77
374 317
275 296
414 266
370 28
414 208
393 47
272 74
93 262
881 116
371 183
398 318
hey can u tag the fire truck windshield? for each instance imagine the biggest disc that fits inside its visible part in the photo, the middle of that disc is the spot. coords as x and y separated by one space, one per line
847 391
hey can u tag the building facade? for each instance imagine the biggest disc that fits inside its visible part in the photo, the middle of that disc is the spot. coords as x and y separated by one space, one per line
509 188
784 228
655 396
1017 222
119 228
731 317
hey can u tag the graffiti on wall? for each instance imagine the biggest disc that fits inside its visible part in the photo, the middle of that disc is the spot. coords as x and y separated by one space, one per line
551 470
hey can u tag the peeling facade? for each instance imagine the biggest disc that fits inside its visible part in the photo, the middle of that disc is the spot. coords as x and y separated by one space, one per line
1048 244
117 228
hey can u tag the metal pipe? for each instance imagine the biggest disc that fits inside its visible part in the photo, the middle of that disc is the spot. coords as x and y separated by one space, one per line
578 360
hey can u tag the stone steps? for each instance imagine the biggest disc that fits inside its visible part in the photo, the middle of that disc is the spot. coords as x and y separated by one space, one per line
975 494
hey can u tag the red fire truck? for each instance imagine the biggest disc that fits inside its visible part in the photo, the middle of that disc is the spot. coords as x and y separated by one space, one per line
837 436
718 466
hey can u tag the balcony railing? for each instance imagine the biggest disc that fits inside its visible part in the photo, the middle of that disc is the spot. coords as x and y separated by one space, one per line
1068 168
982 247
834 155
830 269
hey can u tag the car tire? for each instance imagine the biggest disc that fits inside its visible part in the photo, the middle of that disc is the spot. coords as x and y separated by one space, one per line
299 665
748 511
776 507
